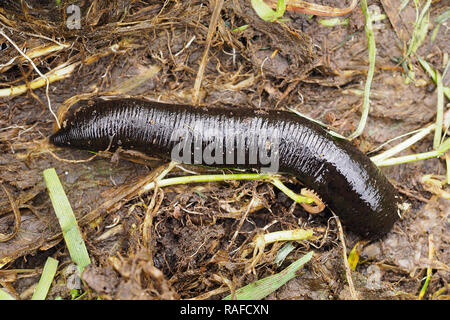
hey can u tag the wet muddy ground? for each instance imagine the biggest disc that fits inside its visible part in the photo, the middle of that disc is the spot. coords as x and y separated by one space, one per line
201 234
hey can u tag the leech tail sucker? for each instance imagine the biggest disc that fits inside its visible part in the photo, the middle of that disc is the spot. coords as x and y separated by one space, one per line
277 141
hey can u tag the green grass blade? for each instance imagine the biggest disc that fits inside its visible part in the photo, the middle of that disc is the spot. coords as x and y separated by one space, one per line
443 17
265 12
334 22
291 194
403 145
41 290
372 57
439 111
241 28
5 295
425 285
444 147
281 9
439 20
327 127
420 29
223 177
259 289
403 5
67 220
433 75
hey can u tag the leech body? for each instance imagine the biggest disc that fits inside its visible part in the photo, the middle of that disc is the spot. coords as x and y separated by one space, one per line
346 179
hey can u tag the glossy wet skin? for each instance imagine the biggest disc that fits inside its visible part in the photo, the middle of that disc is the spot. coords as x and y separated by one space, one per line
346 180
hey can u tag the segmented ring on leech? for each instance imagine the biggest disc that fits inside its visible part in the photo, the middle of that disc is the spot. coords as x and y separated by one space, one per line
319 205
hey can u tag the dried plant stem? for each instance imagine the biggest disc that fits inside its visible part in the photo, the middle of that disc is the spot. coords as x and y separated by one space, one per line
348 271
16 212
204 61
38 71
429 269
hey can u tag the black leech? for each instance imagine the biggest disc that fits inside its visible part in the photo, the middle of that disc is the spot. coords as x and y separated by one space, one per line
346 179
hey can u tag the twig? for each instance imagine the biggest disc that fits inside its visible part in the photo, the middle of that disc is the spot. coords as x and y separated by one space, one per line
201 69
148 220
348 271
38 71
56 74
153 207
241 222
32 34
